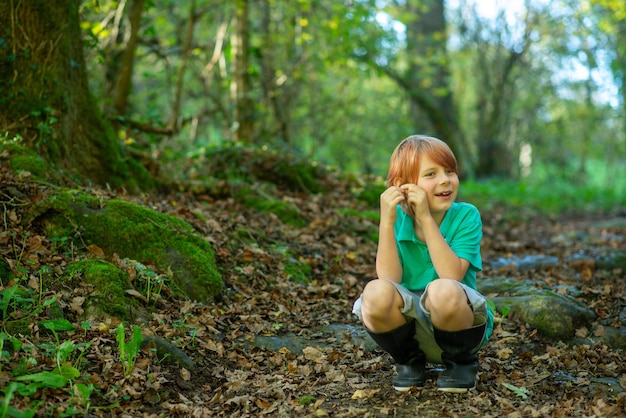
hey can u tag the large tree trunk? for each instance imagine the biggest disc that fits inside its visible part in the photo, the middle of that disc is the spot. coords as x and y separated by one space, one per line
44 94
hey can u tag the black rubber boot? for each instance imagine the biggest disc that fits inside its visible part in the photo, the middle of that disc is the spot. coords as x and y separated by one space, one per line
459 357
405 350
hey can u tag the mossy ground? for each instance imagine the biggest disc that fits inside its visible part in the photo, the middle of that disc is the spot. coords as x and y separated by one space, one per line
125 229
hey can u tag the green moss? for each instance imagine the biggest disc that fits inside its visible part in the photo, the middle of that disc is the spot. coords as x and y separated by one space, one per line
138 178
254 164
294 269
23 159
245 235
283 210
110 284
134 232
361 214
18 326
297 271
31 163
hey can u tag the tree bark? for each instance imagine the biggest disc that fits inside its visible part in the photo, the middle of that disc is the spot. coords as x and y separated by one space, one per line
44 94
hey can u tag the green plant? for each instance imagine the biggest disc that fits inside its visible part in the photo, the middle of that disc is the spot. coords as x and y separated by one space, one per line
17 305
6 410
83 393
504 310
128 350
68 355
182 326
150 283
521 392
4 139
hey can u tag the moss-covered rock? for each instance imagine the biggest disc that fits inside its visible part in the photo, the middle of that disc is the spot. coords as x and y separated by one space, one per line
238 162
168 352
554 314
109 284
134 232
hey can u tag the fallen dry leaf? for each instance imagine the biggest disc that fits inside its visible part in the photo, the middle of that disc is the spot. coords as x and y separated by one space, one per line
364 393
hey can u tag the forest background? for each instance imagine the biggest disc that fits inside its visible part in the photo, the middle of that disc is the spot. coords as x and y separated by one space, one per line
531 92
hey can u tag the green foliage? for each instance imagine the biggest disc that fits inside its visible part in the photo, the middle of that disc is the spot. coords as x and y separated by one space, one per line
297 271
294 269
306 400
128 349
149 282
23 159
371 192
18 305
552 198
26 382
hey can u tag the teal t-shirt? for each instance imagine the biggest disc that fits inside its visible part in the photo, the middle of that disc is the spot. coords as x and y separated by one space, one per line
461 228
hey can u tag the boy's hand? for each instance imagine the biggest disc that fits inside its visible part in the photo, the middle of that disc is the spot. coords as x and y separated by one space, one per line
417 200
389 199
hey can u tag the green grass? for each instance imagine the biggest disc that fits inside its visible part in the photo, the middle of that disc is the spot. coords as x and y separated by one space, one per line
549 197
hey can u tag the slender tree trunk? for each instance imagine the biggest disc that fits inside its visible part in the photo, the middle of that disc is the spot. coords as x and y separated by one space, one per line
428 77
44 94
277 95
497 68
191 23
123 85
240 86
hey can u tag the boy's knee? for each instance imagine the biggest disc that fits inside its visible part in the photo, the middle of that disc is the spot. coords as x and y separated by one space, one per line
445 296
378 298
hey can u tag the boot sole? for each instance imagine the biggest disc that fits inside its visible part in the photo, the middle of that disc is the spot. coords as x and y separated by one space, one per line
456 390
407 388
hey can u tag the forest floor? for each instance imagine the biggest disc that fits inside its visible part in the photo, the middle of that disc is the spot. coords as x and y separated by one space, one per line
522 373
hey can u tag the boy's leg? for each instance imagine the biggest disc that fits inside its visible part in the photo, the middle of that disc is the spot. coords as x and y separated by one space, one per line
380 311
457 331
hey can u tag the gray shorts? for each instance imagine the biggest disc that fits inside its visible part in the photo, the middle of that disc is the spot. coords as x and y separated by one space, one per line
414 308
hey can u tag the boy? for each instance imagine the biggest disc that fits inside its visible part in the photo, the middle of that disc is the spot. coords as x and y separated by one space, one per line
425 306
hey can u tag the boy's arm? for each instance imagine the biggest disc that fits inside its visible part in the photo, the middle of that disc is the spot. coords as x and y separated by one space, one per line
387 259
447 264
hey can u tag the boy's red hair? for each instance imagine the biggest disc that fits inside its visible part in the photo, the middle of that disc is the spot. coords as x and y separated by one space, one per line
404 164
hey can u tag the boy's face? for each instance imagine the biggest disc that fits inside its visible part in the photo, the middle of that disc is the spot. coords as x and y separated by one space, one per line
440 184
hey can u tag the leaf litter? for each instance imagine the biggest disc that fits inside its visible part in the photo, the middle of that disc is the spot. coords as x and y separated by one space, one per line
522 373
